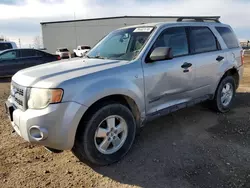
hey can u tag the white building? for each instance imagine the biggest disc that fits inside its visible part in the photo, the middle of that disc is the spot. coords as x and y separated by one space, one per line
72 33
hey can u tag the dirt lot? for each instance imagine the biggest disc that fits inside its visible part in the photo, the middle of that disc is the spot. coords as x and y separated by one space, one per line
193 147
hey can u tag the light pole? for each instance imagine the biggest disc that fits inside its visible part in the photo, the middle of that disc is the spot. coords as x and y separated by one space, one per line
19 40
75 27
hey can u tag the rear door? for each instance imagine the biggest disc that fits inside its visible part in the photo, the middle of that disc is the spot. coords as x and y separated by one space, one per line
207 57
9 63
29 58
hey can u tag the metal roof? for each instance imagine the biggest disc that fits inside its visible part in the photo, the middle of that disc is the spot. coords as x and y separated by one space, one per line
119 17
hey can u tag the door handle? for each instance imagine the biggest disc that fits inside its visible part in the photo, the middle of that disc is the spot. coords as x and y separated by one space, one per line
219 58
186 65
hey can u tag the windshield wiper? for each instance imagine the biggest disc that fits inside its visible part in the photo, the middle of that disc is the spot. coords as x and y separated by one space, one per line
96 57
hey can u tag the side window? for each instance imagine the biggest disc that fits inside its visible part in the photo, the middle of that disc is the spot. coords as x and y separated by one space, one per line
202 40
228 37
175 38
139 42
9 55
28 53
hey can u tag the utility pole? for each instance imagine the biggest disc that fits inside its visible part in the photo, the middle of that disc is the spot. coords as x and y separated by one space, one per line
20 45
75 27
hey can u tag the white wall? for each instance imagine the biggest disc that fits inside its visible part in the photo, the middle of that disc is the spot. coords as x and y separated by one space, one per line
88 32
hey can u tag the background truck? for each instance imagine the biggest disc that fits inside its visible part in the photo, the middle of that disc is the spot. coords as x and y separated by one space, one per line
81 51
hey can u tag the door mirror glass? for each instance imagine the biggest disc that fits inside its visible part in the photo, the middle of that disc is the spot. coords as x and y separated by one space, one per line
161 53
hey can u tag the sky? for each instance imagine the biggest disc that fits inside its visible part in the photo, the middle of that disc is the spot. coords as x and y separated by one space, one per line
20 19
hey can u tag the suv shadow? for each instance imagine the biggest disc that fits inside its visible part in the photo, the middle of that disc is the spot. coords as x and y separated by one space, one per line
189 148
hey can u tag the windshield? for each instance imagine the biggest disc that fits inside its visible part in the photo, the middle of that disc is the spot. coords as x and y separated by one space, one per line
63 50
122 44
85 47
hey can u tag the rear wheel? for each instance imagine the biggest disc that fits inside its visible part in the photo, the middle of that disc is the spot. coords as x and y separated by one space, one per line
107 136
225 94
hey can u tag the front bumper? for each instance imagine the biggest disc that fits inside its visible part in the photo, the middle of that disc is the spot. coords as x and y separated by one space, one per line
54 126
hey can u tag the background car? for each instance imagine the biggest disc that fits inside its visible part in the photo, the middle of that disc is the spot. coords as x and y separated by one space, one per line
14 60
81 50
63 53
246 50
7 45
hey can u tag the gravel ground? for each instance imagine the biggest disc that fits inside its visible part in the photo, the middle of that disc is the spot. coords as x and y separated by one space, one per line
194 147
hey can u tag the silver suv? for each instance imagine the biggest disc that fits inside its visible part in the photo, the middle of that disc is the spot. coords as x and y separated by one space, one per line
95 105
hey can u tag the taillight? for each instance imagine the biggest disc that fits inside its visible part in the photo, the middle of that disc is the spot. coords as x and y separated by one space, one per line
242 57
58 57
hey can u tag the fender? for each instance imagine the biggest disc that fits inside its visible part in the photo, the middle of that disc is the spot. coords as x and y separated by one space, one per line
112 86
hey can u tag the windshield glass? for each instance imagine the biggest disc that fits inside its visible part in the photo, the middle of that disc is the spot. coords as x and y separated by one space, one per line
122 44
63 50
85 47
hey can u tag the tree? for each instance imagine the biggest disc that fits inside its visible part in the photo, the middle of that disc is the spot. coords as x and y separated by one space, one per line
37 42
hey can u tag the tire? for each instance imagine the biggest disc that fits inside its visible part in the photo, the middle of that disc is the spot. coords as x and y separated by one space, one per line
87 143
225 106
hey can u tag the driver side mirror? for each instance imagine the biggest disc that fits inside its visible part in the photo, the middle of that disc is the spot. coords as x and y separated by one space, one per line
160 53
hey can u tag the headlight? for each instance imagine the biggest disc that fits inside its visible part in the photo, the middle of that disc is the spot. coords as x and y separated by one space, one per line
41 98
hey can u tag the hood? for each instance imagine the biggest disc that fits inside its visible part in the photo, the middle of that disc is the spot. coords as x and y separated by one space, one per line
51 74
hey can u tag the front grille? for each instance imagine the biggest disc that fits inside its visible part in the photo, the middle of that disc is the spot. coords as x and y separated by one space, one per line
18 95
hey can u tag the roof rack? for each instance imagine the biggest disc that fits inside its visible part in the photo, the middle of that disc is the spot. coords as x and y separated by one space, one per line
200 19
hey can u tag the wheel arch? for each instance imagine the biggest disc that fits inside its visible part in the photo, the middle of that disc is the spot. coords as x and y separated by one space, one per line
234 73
230 72
119 98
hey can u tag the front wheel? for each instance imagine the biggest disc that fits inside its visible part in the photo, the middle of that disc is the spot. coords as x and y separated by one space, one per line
224 95
107 136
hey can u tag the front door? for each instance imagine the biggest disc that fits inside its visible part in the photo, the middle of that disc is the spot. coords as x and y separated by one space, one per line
9 63
29 58
169 82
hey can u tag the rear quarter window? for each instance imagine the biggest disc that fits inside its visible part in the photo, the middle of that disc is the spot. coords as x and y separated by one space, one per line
45 54
228 37
40 54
